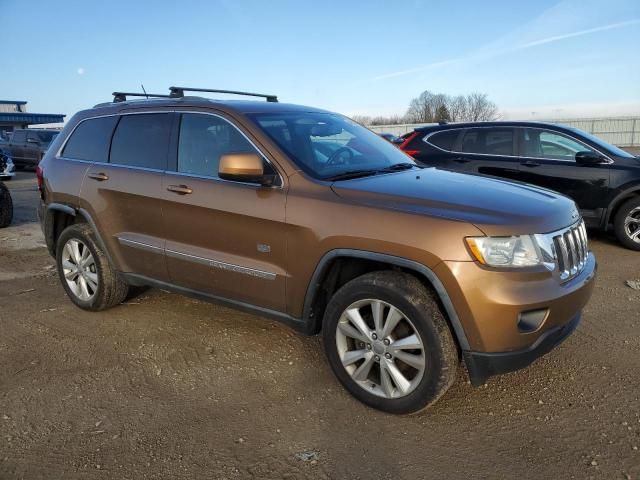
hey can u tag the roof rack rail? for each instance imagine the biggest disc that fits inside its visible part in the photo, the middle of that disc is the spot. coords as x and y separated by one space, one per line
122 96
178 92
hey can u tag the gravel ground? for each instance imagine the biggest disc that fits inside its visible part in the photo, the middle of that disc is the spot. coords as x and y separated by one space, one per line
168 387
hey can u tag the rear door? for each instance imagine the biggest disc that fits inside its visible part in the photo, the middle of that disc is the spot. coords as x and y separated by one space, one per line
488 151
224 238
548 160
124 194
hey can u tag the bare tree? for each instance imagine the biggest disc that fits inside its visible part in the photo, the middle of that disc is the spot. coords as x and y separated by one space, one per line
431 107
362 119
480 108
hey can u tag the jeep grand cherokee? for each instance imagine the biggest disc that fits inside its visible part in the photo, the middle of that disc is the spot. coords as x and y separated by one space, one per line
302 215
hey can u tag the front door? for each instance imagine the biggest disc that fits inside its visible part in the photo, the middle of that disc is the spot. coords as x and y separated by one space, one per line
548 160
224 238
124 195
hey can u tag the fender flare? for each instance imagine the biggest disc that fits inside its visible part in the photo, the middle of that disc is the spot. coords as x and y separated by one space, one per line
424 271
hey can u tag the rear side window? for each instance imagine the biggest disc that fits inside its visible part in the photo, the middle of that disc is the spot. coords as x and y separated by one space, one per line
203 140
142 141
445 139
489 141
90 140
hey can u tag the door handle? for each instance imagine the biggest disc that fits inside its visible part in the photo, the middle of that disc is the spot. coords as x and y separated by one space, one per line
101 177
180 189
461 160
530 163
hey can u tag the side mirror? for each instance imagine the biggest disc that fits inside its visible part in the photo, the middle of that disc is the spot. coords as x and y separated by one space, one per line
588 158
244 167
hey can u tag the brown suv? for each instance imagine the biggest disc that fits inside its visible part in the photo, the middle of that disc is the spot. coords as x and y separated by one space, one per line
306 217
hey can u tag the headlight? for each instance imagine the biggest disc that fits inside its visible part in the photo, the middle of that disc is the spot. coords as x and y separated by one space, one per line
510 252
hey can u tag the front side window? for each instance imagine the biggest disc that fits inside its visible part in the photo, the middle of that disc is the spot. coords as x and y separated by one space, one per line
327 145
90 140
550 145
204 139
489 141
142 140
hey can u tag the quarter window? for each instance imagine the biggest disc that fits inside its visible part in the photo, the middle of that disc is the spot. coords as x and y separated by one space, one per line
90 140
203 140
142 141
550 145
445 139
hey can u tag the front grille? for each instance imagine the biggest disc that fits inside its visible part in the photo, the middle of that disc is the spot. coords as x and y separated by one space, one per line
571 250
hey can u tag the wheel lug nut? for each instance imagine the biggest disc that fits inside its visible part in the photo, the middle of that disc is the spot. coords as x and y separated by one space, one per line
368 346
387 355
374 336
377 358
386 341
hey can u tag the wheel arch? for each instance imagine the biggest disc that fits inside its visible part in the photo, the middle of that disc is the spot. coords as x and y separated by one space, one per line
326 279
617 202
59 216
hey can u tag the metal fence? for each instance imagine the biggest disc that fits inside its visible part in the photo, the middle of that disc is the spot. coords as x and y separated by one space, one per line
620 131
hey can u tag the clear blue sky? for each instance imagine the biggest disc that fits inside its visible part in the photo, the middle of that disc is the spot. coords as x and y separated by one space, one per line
552 57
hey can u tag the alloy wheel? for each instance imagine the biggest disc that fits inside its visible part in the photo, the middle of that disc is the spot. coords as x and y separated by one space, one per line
380 348
632 225
80 270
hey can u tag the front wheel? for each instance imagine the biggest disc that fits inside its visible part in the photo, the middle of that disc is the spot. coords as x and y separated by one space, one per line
85 272
627 224
388 342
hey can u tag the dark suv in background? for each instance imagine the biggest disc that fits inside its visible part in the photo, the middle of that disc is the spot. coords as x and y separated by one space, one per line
603 180
28 146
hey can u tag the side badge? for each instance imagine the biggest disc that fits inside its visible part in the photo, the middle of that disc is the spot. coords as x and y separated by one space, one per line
264 248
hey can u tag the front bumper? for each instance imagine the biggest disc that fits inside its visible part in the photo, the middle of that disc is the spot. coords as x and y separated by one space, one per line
490 304
482 365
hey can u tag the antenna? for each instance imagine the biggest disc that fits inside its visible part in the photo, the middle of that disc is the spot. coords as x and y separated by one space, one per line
122 96
145 92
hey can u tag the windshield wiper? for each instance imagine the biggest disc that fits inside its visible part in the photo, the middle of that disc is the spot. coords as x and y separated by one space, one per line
398 167
365 173
352 174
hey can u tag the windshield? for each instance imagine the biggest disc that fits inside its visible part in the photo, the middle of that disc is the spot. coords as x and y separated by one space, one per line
601 143
327 145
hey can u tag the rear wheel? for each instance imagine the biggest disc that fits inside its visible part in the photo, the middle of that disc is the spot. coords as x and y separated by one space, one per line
388 343
6 206
627 224
85 272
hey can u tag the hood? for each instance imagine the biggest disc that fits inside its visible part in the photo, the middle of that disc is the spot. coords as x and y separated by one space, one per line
496 207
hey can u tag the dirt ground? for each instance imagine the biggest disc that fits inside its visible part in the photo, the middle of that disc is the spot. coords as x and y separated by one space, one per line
168 387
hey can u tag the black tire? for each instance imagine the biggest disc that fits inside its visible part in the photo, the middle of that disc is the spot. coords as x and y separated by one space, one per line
406 293
111 290
619 223
6 206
